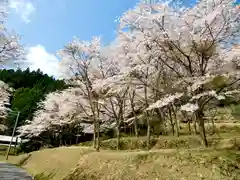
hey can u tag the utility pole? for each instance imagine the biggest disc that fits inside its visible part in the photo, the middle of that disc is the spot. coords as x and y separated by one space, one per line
14 129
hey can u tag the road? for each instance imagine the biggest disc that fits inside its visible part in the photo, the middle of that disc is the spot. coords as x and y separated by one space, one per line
11 172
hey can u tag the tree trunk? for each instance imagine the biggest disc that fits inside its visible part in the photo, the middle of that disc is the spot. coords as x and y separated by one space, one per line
165 127
134 113
52 140
77 139
203 132
136 127
195 123
176 122
98 135
60 140
176 125
189 127
148 133
94 135
213 126
171 121
162 125
118 135
195 127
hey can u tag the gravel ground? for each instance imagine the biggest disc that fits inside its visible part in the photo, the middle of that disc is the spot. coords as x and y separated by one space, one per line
11 172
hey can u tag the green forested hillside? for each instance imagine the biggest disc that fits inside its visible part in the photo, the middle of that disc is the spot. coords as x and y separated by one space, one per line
30 88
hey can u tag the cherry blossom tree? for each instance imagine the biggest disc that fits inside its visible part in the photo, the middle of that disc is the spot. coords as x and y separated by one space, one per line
132 98
58 111
10 48
166 60
5 92
192 43
114 105
62 112
77 59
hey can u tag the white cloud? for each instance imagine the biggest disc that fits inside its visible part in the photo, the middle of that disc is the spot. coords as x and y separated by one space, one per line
24 8
38 58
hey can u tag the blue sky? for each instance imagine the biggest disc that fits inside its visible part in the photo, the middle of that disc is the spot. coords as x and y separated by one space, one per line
47 25
54 22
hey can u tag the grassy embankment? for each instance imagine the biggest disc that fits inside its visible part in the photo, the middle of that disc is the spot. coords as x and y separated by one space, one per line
170 158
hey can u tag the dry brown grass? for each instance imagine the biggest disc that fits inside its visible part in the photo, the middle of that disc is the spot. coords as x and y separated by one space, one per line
218 141
153 165
222 127
81 163
171 158
11 159
168 159
57 161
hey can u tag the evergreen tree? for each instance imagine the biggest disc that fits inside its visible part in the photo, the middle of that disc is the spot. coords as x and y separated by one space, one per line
30 88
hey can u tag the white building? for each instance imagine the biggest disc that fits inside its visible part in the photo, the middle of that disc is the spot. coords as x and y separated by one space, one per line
5 140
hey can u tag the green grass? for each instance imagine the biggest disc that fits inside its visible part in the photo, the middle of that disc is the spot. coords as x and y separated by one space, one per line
3 150
11 159
218 141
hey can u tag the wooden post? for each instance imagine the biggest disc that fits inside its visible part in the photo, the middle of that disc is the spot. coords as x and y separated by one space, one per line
14 129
